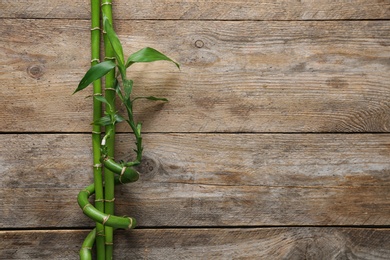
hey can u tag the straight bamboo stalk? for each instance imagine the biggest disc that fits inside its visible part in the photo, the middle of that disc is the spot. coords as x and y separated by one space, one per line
110 97
96 129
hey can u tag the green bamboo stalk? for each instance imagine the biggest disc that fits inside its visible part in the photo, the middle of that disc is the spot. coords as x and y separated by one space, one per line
110 97
117 222
86 248
98 216
96 129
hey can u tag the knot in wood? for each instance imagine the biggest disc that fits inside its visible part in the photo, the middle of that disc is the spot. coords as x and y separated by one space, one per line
148 168
199 44
35 71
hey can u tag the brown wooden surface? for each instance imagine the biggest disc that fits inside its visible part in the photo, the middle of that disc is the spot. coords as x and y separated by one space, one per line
275 143
248 76
205 180
254 243
207 10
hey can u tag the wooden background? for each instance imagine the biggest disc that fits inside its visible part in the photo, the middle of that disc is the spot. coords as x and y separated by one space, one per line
275 143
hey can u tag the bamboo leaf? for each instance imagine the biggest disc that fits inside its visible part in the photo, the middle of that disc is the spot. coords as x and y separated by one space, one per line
118 89
128 87
118 118
95 72
148 55
101 99
114 40
103 121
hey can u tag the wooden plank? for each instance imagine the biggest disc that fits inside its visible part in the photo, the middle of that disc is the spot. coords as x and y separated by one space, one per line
246 77
210 9
205 180
253 243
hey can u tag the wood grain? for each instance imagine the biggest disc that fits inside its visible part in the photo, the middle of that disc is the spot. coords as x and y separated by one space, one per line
205 10
246 77
202 243
205 180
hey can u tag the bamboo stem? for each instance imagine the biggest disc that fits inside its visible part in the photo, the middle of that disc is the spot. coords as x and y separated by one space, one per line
86 248
105 219
110 97
96 129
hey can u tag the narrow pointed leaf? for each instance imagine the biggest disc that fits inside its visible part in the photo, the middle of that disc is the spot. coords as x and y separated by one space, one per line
118 118
114 40
118 89
101 99
103 121
148 55
95 72
128 87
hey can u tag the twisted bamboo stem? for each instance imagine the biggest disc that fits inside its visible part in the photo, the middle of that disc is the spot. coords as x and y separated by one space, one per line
100 217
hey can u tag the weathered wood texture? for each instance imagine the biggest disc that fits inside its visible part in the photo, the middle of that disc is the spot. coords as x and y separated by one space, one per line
265 243
205 180
205 9
278 120
243 76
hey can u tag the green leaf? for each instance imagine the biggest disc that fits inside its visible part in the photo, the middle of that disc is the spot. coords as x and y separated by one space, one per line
95 72
114 40
101 99
118 118
118 89
103 121
128 87
152 98
147 55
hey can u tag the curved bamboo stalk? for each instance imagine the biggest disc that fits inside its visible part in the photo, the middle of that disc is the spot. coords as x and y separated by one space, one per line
100 217
120 222
86 248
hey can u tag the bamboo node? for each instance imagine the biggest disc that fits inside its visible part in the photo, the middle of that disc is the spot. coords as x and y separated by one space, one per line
93 60
105 219
113 89
108 244
112 200
87 191
108 158
98 94
106 3
99 200
100 233
98 165
95 28
122 172
109 58
86 205
131 223
86 247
